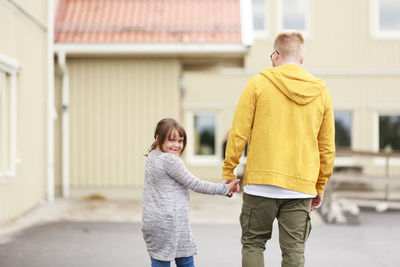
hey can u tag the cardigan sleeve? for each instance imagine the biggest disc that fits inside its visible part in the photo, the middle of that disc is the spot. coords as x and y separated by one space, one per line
176 169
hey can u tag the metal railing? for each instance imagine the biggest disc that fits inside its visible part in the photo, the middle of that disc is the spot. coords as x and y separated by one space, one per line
360 177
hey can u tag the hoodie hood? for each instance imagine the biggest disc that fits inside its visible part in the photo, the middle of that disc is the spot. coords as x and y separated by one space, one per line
294 82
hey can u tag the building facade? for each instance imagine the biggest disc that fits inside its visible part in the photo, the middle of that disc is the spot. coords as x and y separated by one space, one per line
115 79
23 106
121 69
119 92
353 46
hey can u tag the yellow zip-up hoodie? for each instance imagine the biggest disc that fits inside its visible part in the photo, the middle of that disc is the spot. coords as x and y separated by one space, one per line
286 116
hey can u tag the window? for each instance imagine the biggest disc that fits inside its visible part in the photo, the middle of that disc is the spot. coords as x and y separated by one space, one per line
294 15
204 134
8 116
343 125
204 145
389 15
259 22
4 123
389 132
385 18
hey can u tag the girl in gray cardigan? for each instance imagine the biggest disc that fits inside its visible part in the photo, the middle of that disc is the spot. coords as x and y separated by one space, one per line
166 228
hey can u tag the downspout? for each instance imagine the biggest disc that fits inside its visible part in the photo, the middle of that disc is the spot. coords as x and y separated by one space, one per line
61 56
182 92
51 111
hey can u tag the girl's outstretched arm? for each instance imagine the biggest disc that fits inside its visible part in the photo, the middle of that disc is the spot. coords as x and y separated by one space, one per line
177 170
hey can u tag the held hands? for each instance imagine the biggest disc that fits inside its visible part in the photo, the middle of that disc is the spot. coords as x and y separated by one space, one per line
233 186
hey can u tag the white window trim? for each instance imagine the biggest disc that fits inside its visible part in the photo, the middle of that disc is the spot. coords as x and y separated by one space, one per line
203 160
375 31
279 11
383 110
11 67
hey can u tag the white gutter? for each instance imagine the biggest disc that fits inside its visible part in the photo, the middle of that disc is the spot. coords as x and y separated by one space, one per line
246 21
153 49
11 67
61 57
51 111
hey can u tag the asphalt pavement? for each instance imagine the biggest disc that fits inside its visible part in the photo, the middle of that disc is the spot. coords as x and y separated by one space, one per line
80 241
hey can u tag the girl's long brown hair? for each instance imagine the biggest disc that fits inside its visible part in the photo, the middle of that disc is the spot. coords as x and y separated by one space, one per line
164 129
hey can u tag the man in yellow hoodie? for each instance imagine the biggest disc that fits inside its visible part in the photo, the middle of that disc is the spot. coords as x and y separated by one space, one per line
285 114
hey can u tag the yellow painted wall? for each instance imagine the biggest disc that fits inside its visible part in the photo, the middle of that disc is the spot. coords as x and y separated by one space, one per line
115 104
339 38
339 49
361 73
26 42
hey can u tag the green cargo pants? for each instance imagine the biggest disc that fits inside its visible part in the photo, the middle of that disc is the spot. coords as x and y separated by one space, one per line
258 214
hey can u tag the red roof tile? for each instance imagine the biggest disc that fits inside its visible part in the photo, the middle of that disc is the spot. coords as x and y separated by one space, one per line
148 21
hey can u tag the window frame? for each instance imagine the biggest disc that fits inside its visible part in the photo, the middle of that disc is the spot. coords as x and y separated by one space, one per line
351 126
375 30
385 114
190 155
261 34
10 68
307 20
383 110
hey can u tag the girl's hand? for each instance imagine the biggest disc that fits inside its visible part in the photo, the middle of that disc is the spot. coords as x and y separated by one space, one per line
233 186
233 180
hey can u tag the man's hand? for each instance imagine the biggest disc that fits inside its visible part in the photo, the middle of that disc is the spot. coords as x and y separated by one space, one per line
317 202
233 186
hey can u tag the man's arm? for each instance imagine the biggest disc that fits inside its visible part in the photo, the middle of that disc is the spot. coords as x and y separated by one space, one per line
240 131
326 145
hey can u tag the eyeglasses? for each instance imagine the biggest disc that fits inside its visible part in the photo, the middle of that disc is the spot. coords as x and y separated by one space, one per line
272 55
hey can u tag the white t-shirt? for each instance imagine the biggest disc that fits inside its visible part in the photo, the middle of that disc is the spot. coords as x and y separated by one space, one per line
271 191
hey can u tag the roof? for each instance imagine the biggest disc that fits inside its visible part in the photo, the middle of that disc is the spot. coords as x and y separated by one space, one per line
148 22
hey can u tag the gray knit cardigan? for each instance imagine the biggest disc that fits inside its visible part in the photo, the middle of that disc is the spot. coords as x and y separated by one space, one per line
165 222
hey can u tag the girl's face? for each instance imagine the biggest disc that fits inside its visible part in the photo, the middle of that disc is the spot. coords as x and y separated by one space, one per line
173 144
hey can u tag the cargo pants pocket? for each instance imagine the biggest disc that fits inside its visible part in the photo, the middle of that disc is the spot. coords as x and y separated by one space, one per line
308 227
